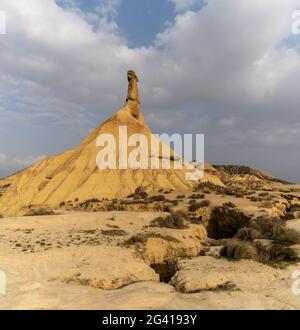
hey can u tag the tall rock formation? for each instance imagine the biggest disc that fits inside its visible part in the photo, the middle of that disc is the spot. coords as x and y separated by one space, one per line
74 174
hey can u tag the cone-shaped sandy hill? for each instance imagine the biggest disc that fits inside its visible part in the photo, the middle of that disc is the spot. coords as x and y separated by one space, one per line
75 175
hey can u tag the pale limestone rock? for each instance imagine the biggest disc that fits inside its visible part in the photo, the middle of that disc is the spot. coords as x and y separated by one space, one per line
206 273
173 244
294 224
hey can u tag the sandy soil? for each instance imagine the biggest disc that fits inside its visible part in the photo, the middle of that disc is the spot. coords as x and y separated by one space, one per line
79 260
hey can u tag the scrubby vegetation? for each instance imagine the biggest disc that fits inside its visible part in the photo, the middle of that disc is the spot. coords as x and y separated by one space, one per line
197 196
140 193
229 205
175 220
142 238
275 229
273 254
180 196
248 234
114 232
39 212
195 206
225 222
237 249
157 198
264 239
207 186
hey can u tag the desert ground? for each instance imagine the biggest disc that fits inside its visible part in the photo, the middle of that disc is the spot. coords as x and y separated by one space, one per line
73 236
141 259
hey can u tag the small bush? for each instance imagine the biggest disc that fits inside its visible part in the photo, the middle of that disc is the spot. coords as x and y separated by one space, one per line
139 190
289 216
143 195
218 189
294 207
274 229
287 235
229 205
1 216
263 194
236 250
195 206
274 254
247 234
176 220
92 200
180 196
197 196
114 232
39 212
142 238
140 193
280 252
157 198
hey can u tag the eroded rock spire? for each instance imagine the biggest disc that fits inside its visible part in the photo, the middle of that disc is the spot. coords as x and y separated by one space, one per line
133 103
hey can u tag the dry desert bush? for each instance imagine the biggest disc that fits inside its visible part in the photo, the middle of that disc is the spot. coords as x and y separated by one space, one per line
175 220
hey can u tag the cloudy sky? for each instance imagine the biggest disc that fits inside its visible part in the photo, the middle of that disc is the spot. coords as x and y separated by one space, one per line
227 68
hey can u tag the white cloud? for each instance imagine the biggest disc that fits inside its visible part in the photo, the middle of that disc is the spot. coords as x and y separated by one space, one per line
11 164
229 60
181 5
227 122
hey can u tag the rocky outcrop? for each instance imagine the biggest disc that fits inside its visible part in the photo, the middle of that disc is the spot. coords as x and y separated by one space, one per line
74 175
241 177
207 273
168 244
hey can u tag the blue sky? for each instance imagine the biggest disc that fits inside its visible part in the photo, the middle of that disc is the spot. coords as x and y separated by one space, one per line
139 21
228 69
